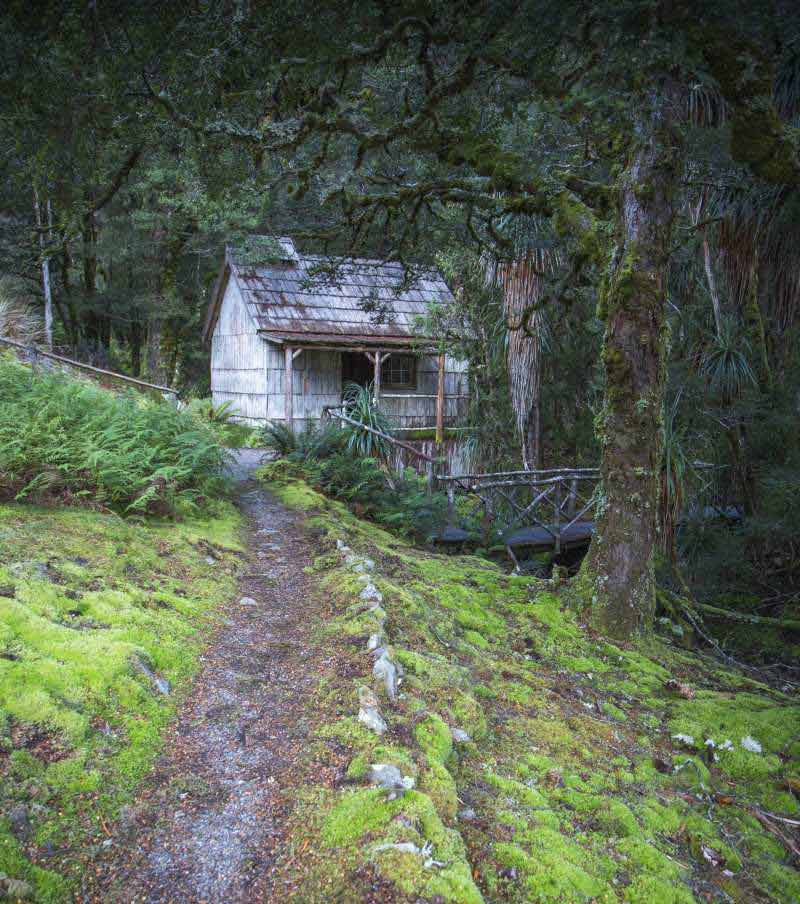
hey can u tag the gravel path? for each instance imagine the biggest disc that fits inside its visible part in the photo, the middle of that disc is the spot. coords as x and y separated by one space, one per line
208 826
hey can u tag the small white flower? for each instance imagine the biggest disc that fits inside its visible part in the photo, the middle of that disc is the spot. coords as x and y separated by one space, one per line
727 744
684 739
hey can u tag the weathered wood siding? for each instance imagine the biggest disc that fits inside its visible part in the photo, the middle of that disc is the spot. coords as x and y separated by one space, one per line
238 360
316 382
407 411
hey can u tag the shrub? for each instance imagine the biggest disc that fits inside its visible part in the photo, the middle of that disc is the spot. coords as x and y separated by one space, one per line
220 421
402 503
68 440
313 442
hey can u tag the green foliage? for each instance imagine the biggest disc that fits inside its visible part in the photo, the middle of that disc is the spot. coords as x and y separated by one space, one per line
18 319
401 503
313 443
725 361
67 440
220 420
359 402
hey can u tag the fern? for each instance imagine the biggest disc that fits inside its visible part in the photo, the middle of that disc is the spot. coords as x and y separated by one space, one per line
66 439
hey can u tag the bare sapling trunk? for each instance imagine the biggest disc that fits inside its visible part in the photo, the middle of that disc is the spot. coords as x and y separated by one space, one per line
46 288
618 573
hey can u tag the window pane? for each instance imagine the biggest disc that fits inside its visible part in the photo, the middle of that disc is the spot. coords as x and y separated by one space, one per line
398 371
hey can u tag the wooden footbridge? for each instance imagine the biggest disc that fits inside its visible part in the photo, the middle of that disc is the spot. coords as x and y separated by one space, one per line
543 510
550 510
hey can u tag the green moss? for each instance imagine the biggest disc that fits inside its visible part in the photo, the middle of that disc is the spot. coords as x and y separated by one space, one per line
613 712
649 889
615 818
476 639
294 494
701 832
438 784
553 869
658 819
434 737
466 713
357 813
641 856
519 792
544 774
136 591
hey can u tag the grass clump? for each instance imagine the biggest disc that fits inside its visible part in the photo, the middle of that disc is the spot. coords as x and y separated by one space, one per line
67 440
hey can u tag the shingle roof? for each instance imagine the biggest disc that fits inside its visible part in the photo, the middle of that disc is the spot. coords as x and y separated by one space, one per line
314 298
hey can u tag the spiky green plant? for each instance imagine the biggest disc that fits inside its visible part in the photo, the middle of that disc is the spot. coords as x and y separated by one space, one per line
360 405
278 437
725 362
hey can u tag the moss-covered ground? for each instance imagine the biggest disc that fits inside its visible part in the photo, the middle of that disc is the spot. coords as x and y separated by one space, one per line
96 614
593 771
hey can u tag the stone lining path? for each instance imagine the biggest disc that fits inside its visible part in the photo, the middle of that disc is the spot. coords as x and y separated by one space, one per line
209 822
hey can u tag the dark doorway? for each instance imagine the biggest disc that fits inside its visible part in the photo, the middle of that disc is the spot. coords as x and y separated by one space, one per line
357 368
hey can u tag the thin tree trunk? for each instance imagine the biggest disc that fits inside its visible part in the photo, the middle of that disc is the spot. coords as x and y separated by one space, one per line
712 286
617 576
48 296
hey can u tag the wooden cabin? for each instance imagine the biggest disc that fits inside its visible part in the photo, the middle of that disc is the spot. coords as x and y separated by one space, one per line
281 319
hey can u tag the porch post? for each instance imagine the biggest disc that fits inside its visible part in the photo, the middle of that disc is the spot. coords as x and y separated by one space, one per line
440 402
288 401
377 381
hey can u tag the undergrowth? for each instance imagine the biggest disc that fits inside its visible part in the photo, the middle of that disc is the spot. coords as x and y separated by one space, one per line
549 765
96 614
67 440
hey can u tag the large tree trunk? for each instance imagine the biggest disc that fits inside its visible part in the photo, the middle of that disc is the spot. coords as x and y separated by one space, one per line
617 576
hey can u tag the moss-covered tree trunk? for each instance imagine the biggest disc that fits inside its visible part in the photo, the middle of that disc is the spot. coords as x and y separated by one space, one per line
617 575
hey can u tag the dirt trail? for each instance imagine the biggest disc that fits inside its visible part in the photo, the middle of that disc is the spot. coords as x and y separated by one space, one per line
208 825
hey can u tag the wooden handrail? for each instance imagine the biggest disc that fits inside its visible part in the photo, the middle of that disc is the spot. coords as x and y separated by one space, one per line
526 477
71 362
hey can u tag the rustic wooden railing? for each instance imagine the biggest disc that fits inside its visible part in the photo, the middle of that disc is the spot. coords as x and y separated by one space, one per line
35 355
544 509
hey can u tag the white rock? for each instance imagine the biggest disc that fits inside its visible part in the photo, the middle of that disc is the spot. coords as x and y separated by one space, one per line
751 744
387 776
342 546
247 601
371 717
368 711
371 594
374 642
385 670
460 736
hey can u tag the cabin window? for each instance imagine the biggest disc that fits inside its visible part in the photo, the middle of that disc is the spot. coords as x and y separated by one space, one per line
399 372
